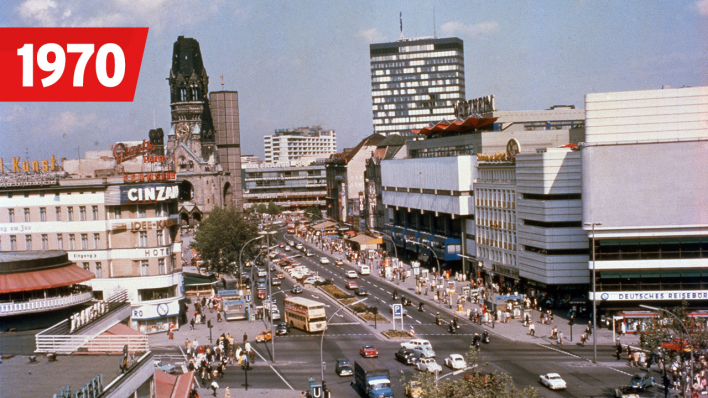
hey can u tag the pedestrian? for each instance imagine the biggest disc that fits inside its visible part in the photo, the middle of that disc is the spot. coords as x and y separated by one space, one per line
245 338
560 338
191 324
532 329
214 386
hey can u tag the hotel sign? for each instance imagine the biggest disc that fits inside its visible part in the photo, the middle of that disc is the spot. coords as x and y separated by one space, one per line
653 295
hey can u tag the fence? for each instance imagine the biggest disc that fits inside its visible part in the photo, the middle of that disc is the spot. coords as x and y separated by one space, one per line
44 304
67 344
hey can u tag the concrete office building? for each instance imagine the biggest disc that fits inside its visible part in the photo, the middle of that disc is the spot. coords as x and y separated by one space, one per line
287 184
644 189
302 142
415 82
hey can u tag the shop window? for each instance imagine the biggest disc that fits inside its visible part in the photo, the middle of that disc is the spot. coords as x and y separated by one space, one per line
156 294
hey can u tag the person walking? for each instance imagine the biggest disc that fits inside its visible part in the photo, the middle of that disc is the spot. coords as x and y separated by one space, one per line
532 329
560 338
214 386
245 338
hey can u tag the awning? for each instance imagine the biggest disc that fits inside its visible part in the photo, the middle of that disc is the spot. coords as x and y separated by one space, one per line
192 279
366 240
43 279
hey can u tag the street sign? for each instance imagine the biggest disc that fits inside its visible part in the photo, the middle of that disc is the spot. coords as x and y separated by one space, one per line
322 230
511 297
248 298
397 311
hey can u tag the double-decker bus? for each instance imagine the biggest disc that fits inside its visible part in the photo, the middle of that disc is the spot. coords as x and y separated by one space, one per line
308 315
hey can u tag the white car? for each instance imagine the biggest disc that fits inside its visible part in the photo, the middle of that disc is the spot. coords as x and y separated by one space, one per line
455 361
553 381
424 352
262 272
411 344
274 314
298 246
351 274
428 365
312 280
324 260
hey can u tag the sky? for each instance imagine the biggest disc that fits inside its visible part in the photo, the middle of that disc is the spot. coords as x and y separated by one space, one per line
300 63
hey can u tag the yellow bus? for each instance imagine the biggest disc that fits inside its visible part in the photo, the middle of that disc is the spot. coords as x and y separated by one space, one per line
308 315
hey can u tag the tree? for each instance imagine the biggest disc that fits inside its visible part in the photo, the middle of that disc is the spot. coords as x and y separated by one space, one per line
476 384
221 237
313 213
274 209
261 208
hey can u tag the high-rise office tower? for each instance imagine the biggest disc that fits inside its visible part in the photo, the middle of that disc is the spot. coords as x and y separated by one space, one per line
302 142
415 82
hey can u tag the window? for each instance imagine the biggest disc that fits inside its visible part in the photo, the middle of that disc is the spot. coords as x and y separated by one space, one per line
161 266
27 214
84 241
42 214
11 215
143 239
13 243
86 266
94 212
116 212
45 242
60 242
82 213
70 213
172 262
160 238
96 241
141 211
144 270
28 242
161 210
72 242
99 271
58 211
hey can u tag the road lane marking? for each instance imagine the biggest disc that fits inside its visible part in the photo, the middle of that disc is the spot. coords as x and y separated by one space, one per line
343 323
271 366
579 357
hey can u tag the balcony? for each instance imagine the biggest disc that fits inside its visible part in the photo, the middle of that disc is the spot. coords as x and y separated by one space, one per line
41 305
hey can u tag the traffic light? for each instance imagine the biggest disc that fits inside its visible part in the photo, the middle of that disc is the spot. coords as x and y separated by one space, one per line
209 324
665 380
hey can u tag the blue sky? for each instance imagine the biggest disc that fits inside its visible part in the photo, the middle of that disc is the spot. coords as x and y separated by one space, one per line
297 63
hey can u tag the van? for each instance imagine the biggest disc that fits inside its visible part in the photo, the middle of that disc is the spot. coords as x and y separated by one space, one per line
364 269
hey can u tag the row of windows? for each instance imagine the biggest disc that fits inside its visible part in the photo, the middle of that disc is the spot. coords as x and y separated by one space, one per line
432 79
59 242
496 256
441 68
500 198
436 54
58 214
418 62
441 152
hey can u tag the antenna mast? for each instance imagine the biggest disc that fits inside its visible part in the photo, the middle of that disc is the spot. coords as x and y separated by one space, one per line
400 16
435 34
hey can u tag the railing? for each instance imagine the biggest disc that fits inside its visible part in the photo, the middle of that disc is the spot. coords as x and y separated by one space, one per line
44 304
67 344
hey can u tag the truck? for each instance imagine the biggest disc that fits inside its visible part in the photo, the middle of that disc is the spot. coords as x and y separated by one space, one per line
371 380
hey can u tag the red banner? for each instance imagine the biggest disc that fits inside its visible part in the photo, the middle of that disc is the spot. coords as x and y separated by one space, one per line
71 64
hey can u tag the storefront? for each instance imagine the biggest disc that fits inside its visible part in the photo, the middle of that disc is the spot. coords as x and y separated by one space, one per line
155 318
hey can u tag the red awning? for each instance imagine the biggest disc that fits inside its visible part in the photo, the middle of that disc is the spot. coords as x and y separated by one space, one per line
43 279
457 126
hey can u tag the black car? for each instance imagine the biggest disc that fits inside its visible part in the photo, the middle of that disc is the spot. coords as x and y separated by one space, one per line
361 291
406 356
282 329
344 367
297 289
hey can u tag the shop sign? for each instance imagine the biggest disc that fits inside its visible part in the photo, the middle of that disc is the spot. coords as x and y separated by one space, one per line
476 106
161 310
151 224
27 166
654 295
148 193
506 271
123 152
147 177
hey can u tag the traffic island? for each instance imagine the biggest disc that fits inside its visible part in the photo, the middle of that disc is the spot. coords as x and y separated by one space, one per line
363 311
396 334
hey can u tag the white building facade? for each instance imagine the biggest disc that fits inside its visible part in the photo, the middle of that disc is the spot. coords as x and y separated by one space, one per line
302 142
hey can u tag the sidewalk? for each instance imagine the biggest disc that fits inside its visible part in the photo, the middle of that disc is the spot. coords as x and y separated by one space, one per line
513 330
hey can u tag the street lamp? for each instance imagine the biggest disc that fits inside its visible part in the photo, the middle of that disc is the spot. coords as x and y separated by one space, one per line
688 336
395 250
240 265
429 248
594 294
267 234
323 334
457 372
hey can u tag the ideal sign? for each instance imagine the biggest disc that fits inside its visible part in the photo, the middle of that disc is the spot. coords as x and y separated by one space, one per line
148 193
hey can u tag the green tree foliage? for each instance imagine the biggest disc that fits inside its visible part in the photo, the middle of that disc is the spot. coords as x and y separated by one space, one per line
261 208
221 236
273 209
313 213
478 383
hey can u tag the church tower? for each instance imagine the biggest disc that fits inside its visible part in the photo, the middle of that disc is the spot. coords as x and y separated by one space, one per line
189 87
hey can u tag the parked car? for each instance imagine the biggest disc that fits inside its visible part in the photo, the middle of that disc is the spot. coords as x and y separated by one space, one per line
351 274
313 280
428 365
361 290
262 272
282 329
352 285
167 368
344 367
264 335
368 351
455 361
406 356
641 381
297 289
553 381
280 275
287 248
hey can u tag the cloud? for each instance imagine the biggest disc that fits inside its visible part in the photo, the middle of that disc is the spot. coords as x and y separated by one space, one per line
370 35
41 11
702 7
70 122
458 28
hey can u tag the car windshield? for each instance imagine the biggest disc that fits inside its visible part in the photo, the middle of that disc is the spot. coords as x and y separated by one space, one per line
379 384
636 379
554 377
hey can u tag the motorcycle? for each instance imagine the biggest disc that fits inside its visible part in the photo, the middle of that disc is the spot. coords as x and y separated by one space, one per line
405 301
485 337
420 306
395 295
437 319
475 340
454 323
451 329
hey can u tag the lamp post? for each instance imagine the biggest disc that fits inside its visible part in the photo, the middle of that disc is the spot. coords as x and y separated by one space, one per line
594 294
267 234
431 250
688 336
323 334
395 250
240 265
457 372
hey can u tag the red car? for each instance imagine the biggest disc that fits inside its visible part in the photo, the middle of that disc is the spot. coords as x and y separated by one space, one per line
368 351
352 285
